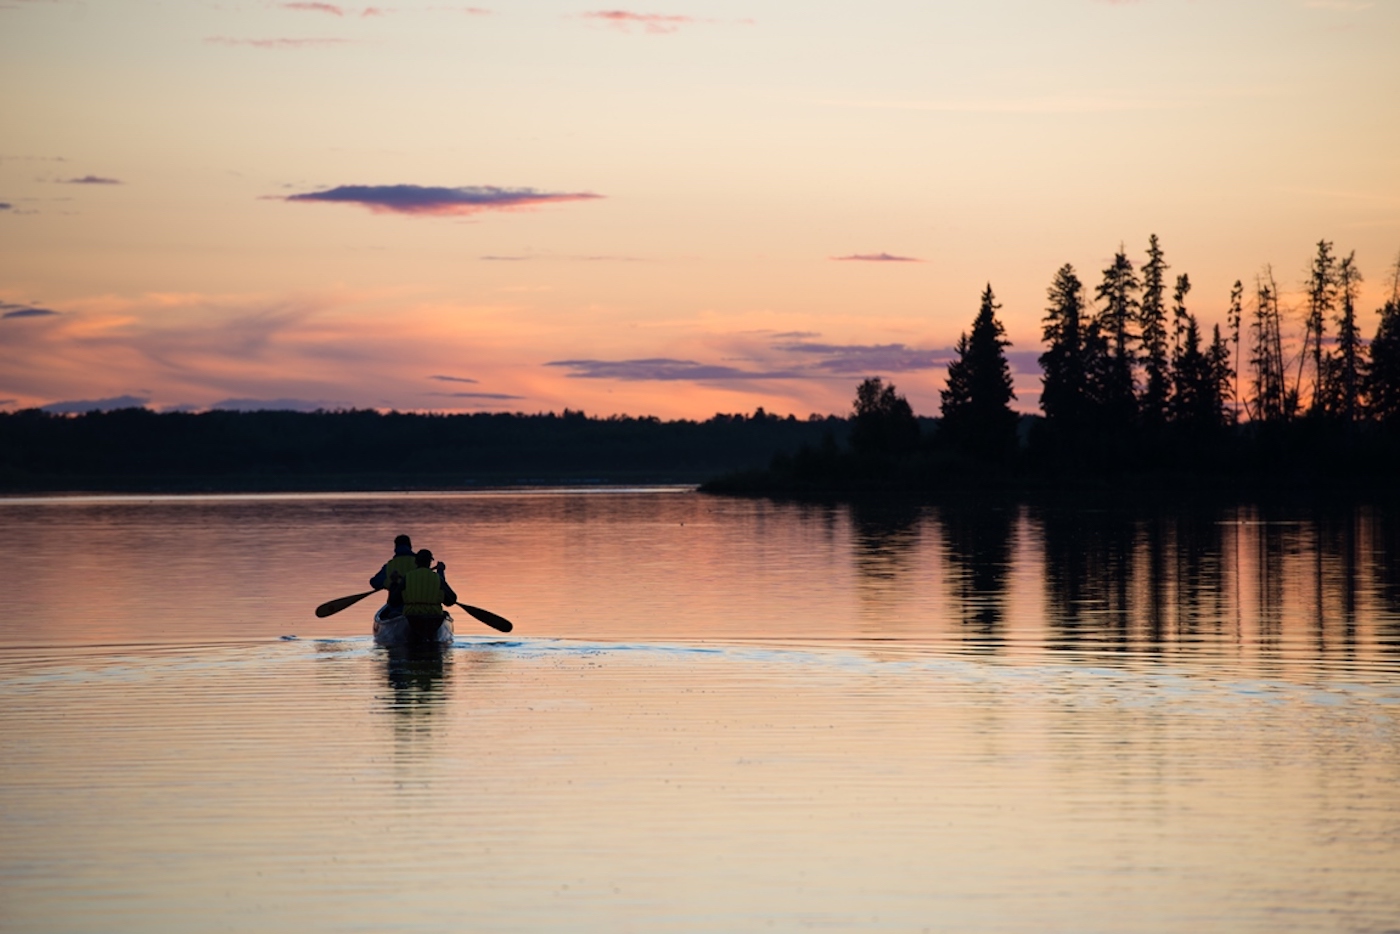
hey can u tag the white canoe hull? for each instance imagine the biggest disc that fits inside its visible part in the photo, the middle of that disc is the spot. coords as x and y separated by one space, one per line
400 630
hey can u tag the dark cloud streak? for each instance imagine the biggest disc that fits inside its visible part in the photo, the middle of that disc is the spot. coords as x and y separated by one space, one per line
876 258
421 199
855 359
9 310
83 406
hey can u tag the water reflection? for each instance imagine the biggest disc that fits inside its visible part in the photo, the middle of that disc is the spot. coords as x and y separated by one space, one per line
978 540
417 678
1270 580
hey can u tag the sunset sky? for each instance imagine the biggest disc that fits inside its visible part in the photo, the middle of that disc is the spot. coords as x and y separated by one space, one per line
669 209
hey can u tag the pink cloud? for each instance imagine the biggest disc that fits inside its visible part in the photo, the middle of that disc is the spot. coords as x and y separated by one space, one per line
652 23
875 258
315 8
420 199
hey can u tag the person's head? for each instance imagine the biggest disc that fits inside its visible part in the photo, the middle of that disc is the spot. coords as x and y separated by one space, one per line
424 558
402 543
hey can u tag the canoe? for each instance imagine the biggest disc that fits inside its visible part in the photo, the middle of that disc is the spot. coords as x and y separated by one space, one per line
393 628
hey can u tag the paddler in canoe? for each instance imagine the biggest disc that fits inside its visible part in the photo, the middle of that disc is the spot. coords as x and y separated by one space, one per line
403 601
398 566
426 591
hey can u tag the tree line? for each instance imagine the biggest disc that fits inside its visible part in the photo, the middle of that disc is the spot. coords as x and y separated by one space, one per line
1132 382
138 449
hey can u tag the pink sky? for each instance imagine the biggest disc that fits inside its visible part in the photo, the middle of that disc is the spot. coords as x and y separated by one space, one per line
671 210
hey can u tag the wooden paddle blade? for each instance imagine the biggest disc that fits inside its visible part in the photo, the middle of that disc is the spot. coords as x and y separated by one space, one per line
335 606
498 623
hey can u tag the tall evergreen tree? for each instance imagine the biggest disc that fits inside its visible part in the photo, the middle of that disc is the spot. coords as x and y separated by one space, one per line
976 406
1153 319
1234 320
1222 378
1383 375
1201 382
1118 292
1322 296
1181 320
1344 368
1068 358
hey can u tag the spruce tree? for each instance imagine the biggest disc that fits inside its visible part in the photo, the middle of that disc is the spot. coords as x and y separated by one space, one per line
1118 292
1234 318
1322 296
1382 380
1064 395
1344 368
976 406
1152 317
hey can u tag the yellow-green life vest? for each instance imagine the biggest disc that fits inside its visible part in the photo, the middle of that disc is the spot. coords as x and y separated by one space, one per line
400 564
422 593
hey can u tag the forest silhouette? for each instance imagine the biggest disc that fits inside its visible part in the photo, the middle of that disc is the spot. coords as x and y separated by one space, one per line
1135 396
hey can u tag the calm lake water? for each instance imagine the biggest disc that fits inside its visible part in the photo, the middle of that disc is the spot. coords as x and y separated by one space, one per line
713 715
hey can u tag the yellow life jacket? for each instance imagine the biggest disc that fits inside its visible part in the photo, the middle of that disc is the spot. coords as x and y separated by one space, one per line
398 564
422 593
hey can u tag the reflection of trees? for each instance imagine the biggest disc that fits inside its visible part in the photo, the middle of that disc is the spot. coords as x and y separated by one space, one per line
1384 546
1200 573
884 537
978 539
885 551
1116 577
1088 573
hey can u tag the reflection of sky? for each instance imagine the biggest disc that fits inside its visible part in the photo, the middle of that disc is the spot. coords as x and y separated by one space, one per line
591 787
306 205
1232 585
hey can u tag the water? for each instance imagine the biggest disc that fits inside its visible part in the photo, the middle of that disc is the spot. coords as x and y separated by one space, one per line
713 715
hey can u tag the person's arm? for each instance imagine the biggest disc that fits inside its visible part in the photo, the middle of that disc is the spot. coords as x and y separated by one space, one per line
378 581
449 596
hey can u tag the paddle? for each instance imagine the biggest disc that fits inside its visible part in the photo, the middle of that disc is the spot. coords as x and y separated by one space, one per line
335 606
498 623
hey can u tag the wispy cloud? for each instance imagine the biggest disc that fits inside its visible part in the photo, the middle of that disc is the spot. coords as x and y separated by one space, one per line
784 357
488 396
453 379
651 23
856 359
11 310
6 206
330 8
92 180
81 406
664 369
275 43
420 199
876 258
